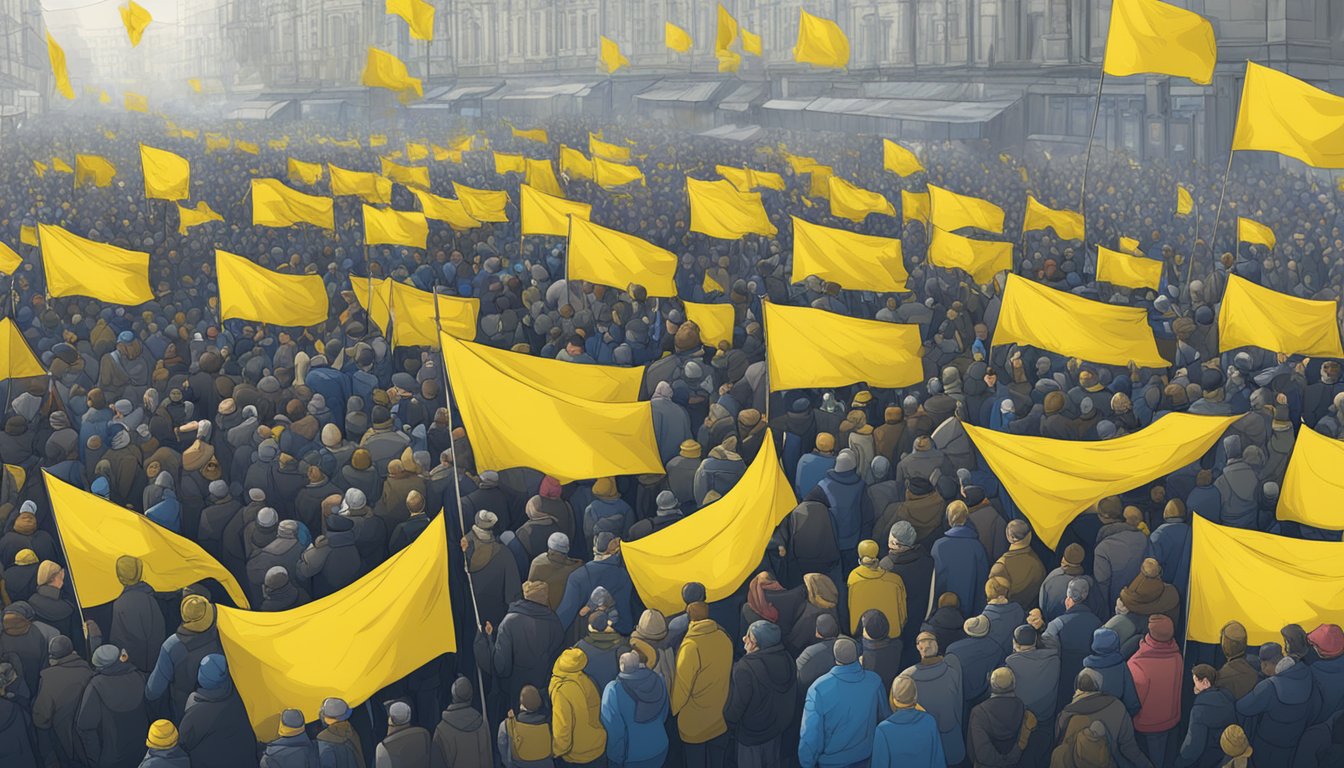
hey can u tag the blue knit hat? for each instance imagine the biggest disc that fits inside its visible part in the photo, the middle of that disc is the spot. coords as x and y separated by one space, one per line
213 673
765 633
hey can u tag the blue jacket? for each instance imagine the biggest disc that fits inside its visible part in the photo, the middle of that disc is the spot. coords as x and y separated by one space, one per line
908 739
602 509
1205 501
334 387
609 573
1329 677
844 496
960 565
1171 547
165 758
634 710
167 513
840 717
1213 711
1004 618
1286 704
812 468
1107 661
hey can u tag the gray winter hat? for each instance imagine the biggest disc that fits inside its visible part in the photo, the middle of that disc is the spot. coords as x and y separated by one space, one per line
667 502
335 709
355 499
219 489
105 656
903 533
845 461
59 647
398 713
267 518
846 651
557 542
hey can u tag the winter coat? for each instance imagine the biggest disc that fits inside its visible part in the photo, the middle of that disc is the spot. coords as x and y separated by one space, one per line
407 746
978 656
210 728
1004 618
137 625
521 649
495 579
815 660
16 750
1055 588
701 685
1072 631
1329 677
840 717
603 650
111 719
1171 547
1283 705
331 564
908 739
1214 709
719 472
843 494
612 510
1238 491
577 735
179 659
1158 673
1089 707
1025 575
58 697
1107 661
1119 555
165 758
553 568
297 751
810 538
338 746
609 573
634 711
961 566
812 468
871 587
993 730
762 696
939 683
1036 673
460 739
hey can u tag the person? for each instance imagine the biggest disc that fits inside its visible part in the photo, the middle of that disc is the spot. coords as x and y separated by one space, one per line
1035 667
137 620
1213 710
1157 669
909 736
1327 668
1092 705
1072 632
214 717
519 650
577 735
406 744
525 736
15 746
1109 664
762 694
602 646
1281 703
461 738
1021 566
1056 584
553 568
1236 748
915 567
1236 676
338 745
939 681
841 713
701 687
180 655
872 587
162 749
111 714
1000 726
960 564
1121 549
292 747
634 709
58 696
652 642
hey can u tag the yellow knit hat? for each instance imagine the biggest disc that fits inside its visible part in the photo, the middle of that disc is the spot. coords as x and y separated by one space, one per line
25 557
162 735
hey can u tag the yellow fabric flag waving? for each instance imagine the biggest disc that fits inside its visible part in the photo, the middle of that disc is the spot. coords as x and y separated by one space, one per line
821 43
1185 204
751 43
545 214
715 321
375 297
602 383
541 176
1147 36
1280 113
584 438
17 360
1126 270
94 169
58 70
95 532
135 102
383 70
410 175
981 259
915 206
806 348
419 16
854 261
1068 225
167 175
1254 316
1264 581
607 257
575 164
719 210
676 38
952 211
275 205
136 20
251 292
451 212
725 31
723 544
389 227
483 204
899 160
413 314
506 163
349 644
75 266
855 203
1313 483
1251 231
369 187
611 57
1060 322
10 261
609 175
300 172
194 217
531 134
602 149
1051 480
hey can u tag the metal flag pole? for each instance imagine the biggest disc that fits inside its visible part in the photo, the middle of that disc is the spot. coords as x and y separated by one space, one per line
1217 219
1087 158
83 623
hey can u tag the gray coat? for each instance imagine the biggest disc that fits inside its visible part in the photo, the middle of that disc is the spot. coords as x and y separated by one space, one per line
940 695
111 721
460 739
1037 674
58 697
296 751
1117 560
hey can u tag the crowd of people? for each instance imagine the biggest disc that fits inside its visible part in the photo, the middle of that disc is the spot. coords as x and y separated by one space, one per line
904 613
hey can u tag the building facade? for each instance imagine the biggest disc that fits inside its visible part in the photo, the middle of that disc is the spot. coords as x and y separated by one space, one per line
24 74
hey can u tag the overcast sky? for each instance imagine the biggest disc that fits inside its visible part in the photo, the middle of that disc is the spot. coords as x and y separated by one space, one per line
93 15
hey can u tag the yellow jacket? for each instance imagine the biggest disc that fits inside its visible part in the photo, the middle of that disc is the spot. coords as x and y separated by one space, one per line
577 734
872 587
700 691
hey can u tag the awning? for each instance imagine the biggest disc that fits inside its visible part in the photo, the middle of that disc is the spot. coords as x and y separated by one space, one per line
745 97
681 91
911 109
464 92
787 105
732 132
259 110
517 91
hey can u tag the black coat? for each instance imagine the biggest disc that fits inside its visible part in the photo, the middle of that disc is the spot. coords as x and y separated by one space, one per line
884 658
332 565
50 608
297 751
991 734
1213 711
111 721
461 739
58 697
215 730
16 751
137 625
524 646
761 696
494 577
407 747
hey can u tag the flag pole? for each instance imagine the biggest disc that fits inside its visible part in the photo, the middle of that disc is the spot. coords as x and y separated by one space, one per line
1217 219
1087 159
83 623
1190 263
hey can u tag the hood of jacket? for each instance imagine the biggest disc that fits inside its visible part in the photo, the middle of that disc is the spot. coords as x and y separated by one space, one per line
1294 684
773 667
461 717
648 691
1241 479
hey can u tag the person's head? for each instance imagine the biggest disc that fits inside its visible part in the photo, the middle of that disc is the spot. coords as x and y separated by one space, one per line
49 574
827 627
1270 656
846 651
529 699
927 644
904 693
761 635
902 536
1002 682
334 710
1234 742
398 714
462 690
1232 639
957 513
1204 676
291 723
1025 638
1076 592
162 735
697 611
692 592
1087 681
1018 533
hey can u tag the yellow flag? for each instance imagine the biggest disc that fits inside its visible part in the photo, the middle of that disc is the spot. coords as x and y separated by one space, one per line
855 203
1126 270
710 285
248 291
725 32
806 348
389 227
95 532
58 70
383 70
452 212
28 235
40 168
729 61
608 257
413 313
575 164
751 43
981 259
410 175
1129 245
854 261
541 176
443 154
915 206
821 43
103 98
60 166
1070 325
1185 204
194 217
719 210
194 83
135 102
17 360
505 163
598 148
419 16
483 204
1280 113
676 38
800 164
611 57
75 266
747 179
375 297
10 261
584 438
1147 36
1313 483
601 383
351 644
136 19
951 211
899 160
416 152
377 140
1052 480
1250 231
215 142
303 173
1254 316
247 146
275 205
531 134
722 545
715 321
1264 581
609 175
369 187
94 169
1068 225
279 145
545 214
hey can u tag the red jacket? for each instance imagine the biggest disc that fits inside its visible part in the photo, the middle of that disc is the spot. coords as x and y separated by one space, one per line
1158 670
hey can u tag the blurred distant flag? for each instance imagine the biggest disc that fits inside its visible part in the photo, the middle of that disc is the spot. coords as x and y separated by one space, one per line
419 16
676 38
58 70
136 19
611 57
